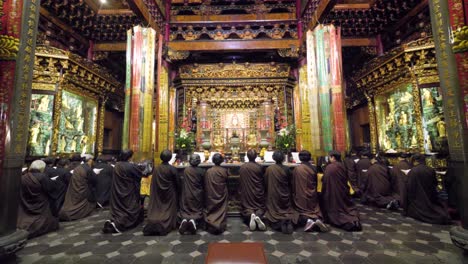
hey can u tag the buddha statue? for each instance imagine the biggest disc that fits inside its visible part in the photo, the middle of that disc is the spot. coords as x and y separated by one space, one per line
252 141
218 142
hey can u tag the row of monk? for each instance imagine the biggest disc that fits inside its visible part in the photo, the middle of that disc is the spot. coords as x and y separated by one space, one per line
283 198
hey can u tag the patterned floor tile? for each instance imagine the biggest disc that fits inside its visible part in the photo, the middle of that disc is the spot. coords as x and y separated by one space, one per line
387 238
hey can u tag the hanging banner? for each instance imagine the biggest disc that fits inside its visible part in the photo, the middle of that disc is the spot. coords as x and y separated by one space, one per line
311 94
139 90
336 89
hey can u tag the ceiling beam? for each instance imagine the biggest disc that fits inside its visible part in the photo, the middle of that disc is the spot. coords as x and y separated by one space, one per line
321 12
92 3
233 45
63 26
114 46
358 42
414 12
352 6
319 15
233 18
141 10
112 12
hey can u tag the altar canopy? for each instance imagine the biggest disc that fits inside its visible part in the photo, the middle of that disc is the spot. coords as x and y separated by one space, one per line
324 92
139 90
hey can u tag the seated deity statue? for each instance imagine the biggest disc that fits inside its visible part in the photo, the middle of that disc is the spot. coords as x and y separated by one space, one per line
252 141
218 142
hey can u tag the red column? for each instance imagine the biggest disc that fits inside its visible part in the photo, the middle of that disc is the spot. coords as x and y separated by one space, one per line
17 33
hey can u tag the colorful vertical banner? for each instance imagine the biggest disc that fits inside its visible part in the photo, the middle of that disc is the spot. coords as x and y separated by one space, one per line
139 89
311 94
148 90
322 40
336 89
128 79
324 92
304 91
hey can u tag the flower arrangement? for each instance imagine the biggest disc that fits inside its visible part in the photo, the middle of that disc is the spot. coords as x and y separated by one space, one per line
286 138
184 140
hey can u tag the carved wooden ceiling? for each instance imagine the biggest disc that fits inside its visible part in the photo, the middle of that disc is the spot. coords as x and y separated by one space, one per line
269 30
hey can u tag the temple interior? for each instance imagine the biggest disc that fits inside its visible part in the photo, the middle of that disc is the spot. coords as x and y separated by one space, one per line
383 80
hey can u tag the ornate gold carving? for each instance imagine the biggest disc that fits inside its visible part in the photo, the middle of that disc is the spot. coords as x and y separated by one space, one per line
418 113
206 9
56 119
175 55
234 70
189 33
100 138
372 123
419 55
9 47
292 52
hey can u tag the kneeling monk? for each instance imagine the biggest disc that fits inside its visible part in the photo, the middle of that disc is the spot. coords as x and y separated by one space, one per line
80 200
422 201
125 209
252 192
278 202
34 212
163 206
191 203
338 207
306 207
216 195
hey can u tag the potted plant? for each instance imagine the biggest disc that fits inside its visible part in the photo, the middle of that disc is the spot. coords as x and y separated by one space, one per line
286 139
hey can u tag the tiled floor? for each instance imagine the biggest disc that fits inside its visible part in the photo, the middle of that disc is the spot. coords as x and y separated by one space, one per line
387 238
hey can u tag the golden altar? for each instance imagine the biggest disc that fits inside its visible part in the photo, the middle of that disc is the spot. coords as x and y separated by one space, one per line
231 107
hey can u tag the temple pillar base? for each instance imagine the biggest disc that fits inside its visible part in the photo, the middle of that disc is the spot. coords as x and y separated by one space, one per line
459 237
11 243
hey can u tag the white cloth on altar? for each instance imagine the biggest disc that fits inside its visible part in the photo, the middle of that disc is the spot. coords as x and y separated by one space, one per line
295 156
173 159
268 156
257 159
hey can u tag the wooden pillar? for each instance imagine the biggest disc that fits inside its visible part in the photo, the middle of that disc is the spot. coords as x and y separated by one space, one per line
418 111
18 31
453 85
372 124
56 118
100 130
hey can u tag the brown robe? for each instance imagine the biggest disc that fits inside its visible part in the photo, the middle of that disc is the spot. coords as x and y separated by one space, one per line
252 189
125 208
79 200
192 200
422 202
362 164
304 193
163 205
381 186
338 208
104 182
216 199
34 211
402 178
351 169
278 202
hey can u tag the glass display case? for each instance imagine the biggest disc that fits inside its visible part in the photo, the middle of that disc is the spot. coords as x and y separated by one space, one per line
77 126
40 125
396 119
435 135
